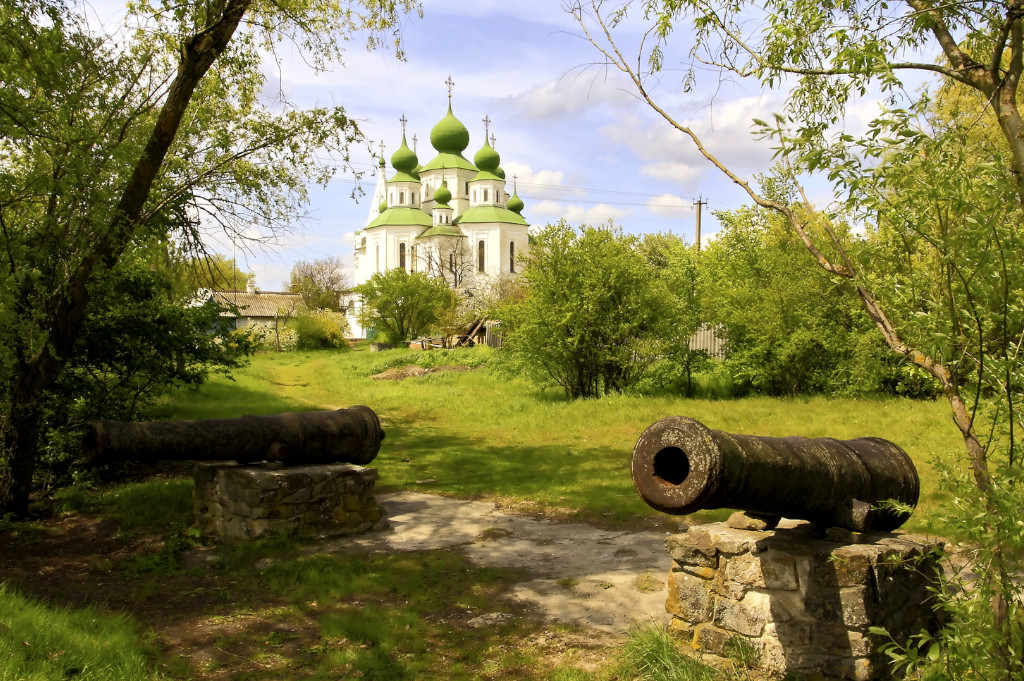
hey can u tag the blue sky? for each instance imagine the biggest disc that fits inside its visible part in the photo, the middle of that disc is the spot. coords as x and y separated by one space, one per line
583 148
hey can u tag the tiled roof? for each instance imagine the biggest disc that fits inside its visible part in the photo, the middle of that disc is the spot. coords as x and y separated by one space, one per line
262 303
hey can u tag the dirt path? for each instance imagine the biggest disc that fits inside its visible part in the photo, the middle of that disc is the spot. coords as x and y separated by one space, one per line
601 579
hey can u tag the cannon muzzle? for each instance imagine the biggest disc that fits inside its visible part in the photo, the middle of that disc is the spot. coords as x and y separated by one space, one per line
681 466
350 435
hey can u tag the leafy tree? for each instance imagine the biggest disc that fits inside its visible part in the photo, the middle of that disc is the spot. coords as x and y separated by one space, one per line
320 282
680 267
109 144
947 213
400 305
804 336
213 271
135 343
593 314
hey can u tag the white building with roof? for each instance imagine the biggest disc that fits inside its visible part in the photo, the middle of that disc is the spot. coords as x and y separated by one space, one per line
450 218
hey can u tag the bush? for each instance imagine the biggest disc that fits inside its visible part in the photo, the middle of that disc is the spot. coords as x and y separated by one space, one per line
320 329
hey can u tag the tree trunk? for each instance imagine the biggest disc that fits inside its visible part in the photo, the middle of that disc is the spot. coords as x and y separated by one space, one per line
40 369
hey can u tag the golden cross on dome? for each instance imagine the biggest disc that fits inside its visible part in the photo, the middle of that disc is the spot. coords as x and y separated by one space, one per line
382 148
450 83
403 121
493 140
414 142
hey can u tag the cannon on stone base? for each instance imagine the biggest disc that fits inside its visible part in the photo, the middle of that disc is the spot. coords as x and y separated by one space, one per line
680 466
351 435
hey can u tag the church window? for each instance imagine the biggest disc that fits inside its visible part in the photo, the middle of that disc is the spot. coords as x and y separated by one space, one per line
474 196
401 197
467 189
451 262
480 262
401 255
412 255
485 196
512 257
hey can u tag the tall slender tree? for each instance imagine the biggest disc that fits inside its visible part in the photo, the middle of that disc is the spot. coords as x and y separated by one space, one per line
101 137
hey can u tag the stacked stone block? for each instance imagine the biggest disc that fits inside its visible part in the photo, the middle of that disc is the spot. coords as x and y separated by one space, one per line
232 501
799 601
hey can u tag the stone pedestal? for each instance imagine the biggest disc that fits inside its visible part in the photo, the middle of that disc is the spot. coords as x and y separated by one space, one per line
247 502
797 600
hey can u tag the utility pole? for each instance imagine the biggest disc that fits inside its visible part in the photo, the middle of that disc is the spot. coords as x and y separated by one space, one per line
698 204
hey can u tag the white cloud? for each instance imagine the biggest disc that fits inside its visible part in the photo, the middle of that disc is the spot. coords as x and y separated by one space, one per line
724 130
670 205
566 96
683 174
578 215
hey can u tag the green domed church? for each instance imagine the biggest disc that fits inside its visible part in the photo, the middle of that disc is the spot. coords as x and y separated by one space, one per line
450 218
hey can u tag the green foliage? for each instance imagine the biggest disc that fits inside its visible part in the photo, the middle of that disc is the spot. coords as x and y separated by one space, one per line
214 271
38 643
319 329
594 313
98 160
939 187
135 344
651 654
401 306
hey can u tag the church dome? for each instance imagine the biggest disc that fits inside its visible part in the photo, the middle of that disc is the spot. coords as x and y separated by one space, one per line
442 195
487 158
383 206
404 160
449 136
515 204
499 172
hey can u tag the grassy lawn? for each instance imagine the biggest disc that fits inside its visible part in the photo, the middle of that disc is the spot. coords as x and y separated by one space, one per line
480 433
117 585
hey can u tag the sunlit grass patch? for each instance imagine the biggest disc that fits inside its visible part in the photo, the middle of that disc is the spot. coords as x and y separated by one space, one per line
486 434
40 643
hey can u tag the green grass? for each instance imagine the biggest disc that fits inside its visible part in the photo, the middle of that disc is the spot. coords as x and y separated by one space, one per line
38 643
484 434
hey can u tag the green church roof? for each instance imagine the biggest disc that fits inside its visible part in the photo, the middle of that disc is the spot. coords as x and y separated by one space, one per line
401 216
485 175
490 214
441 230
445 160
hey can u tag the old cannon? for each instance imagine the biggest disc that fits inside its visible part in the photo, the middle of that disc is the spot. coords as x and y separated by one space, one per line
350 435
680 466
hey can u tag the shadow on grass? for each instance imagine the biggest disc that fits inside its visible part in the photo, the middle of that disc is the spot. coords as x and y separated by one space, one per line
593 481
227 400
388 617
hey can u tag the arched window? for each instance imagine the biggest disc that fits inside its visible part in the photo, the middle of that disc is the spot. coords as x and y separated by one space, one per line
401 255
511 257
401 197
480 262
474 196
412 254
485 195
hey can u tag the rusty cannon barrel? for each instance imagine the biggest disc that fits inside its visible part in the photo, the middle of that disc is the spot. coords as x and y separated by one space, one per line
681 466
351 435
